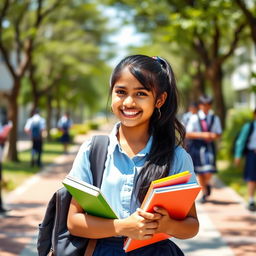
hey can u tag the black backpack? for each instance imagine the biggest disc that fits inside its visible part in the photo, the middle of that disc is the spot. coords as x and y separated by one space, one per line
53 236
245 149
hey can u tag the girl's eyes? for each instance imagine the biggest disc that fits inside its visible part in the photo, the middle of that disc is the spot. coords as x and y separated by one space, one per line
120 92
123 92
141 94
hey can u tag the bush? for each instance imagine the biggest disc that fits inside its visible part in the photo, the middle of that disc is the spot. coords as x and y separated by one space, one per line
236 118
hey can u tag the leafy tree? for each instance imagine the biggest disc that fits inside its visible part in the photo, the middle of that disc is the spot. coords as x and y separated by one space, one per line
209 30
20 22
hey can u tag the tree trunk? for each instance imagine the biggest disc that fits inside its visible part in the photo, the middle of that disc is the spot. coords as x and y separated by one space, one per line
12 154
198 83
49 117
215 75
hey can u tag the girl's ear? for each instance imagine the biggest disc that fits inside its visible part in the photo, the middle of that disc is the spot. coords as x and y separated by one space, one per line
161 100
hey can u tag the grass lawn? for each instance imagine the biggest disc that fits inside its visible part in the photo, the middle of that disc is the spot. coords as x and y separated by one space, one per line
233 177
14 174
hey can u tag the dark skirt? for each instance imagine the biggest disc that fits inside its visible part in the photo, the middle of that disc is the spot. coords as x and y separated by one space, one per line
250 166
203 155
65 138
114 247
37 145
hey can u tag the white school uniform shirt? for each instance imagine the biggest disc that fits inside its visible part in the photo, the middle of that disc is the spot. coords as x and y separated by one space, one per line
121 172
193 124
35 118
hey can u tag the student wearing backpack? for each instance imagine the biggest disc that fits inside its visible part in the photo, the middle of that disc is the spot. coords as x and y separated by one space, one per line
64 125
35 126
202 130
145 145
246 142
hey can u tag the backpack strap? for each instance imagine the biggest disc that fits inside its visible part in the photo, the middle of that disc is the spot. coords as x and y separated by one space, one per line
211 123
98 156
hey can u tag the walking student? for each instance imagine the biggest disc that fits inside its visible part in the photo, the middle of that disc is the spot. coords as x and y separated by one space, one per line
64 124
35 126
202 130
146 144
247 142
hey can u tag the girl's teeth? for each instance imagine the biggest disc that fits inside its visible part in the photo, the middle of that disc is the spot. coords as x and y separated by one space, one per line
130 113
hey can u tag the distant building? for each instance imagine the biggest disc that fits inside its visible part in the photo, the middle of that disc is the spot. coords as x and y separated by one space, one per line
243 81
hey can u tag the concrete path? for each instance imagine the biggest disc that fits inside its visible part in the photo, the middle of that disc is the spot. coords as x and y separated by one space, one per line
226 227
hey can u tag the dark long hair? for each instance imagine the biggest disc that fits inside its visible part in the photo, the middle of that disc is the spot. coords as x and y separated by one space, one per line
156 75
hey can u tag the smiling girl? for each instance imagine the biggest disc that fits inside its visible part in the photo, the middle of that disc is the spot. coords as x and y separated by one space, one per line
145 145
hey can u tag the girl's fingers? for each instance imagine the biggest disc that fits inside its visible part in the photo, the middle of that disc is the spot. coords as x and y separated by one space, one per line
148 215
161 210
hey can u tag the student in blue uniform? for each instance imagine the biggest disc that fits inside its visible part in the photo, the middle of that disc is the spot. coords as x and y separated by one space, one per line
64 124
35 126
202 130
145 100
247 140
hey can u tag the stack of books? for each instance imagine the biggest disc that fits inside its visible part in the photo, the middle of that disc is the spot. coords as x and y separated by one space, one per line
174 193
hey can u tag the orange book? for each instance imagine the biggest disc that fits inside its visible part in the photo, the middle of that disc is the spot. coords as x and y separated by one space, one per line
177 197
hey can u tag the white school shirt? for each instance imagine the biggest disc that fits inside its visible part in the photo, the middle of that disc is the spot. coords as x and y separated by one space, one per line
193 124
121 172
35 118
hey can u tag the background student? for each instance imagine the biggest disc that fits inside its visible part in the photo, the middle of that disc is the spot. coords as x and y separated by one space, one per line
247 141
35 126
64 125
145 145
202 130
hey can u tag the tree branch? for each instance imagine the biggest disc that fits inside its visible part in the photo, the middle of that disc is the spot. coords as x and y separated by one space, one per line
17 23
199 45
250 18
216 39
234 43
2 15
246 11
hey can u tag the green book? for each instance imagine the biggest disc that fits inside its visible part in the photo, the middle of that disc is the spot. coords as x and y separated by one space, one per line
90 198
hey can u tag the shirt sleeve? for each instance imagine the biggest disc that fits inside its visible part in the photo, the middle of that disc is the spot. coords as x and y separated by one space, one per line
241 140
81 165
28 124
193 124
182 162
217 125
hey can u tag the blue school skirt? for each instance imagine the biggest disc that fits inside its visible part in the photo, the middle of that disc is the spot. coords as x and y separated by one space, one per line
203 155
114 247
250 166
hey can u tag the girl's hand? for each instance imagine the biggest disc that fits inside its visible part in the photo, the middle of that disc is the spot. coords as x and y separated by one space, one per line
164 221
140 225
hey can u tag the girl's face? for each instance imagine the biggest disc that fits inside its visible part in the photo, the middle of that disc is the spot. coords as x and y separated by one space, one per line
132 104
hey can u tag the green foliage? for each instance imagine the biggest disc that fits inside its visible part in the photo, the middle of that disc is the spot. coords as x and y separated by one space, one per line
236 118
233 177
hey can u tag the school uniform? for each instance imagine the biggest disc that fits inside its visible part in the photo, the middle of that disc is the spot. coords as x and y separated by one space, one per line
118 180
203 153
65 124
250 155
38 123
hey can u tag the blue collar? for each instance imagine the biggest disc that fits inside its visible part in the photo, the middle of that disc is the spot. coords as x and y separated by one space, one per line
114 143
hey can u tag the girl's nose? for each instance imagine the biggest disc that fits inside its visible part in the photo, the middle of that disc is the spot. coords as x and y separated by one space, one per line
129 101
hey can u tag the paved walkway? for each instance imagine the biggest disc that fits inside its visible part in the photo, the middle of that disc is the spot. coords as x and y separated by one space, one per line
226 227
